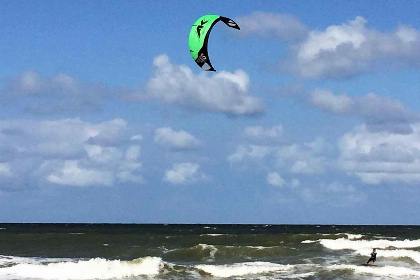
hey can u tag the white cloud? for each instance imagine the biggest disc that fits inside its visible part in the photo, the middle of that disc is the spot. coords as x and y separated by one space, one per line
132 153
306 158
259 134
5 169
249 152
352 48
308 166
222 92
270 25
69 152
333 37
274 179
328 101
175 139
184 173
335 194
136 138
59 94
379 112
71 174
377 157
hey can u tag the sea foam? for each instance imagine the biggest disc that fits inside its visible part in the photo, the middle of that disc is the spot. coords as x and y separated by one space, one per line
240 269
414 255
97 268
213 249
343 243
389 271
364 247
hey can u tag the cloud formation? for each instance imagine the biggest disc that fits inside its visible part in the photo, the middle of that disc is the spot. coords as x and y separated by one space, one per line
352 48
335 194
58 94
274 179
179 140
184 173
68 152
339 51
270 25
379 112
261 135
223 92
306 158
381 157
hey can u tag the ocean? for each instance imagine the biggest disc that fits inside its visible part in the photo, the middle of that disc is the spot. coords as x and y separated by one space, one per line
169 251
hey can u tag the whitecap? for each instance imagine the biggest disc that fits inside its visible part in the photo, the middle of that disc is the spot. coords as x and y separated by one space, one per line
357 245
97 268
213 234
241 269
385 248
382 271
213 249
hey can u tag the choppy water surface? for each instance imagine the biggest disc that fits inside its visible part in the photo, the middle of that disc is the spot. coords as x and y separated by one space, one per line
108 251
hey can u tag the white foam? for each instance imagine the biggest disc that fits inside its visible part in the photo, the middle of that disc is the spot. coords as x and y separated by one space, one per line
213 250
240 269
302 275
364 247
367 245
91 269
13 260
382 271
261 247
213 234
349 235
414 255
354 236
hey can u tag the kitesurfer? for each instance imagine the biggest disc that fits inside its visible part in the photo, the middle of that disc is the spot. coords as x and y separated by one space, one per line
372 256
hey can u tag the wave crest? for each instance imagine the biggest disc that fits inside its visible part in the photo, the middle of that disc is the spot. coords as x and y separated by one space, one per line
240 269
97 268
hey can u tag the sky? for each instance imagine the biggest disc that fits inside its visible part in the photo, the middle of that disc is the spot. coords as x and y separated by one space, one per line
312 117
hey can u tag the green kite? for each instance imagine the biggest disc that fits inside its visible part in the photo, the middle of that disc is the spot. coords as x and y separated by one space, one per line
199 36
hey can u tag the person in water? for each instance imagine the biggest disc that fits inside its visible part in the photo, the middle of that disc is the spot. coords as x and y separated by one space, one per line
372 256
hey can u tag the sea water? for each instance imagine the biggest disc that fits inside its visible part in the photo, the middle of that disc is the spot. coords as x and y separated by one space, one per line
158 251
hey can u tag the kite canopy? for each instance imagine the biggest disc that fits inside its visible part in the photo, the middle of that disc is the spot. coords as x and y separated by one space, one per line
199 36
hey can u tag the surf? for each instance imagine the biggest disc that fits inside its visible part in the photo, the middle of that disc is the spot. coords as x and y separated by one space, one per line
97 268
241 269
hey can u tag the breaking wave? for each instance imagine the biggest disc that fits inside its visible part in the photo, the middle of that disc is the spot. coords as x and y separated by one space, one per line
386 248
241 269
342 243
389 271
97 268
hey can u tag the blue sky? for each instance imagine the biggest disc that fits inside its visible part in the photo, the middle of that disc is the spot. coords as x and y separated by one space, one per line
312 116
